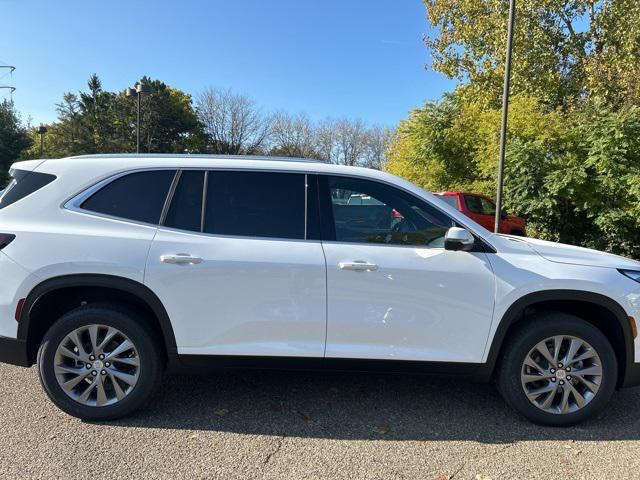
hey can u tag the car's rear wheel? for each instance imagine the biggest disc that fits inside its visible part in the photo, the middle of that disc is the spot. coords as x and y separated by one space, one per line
557 370
98 362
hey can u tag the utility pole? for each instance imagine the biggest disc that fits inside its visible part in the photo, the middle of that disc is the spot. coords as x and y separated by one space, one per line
505 111
139 89
11 89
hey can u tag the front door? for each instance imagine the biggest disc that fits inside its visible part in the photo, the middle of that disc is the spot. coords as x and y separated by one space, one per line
394 292
236 271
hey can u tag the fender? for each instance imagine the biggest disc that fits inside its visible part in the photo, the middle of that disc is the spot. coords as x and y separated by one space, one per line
107 281
513 313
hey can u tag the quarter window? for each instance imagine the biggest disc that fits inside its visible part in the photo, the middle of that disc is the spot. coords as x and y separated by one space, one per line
370 212
256 204
138 196
22 184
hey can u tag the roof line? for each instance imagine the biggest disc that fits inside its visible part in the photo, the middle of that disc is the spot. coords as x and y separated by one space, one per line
197 156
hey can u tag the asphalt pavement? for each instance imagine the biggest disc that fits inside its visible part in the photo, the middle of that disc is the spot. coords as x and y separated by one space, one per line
279 425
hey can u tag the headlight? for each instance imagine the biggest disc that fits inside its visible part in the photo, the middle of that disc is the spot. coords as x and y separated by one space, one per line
632 274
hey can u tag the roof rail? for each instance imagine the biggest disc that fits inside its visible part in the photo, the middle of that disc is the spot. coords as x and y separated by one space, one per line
196 156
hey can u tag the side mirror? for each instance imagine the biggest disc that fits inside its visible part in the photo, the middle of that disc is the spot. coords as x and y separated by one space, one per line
459 239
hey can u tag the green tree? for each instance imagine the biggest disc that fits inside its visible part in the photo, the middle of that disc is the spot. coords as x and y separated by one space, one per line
97 118
612 68
573 175
434 146
609 143
169 123
14 137
573 150
564 50
99 121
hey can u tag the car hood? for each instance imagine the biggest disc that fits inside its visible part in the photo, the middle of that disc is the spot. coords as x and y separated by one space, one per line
562 253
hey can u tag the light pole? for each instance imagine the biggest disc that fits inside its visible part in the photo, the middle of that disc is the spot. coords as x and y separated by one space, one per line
42 130
505 110
139 89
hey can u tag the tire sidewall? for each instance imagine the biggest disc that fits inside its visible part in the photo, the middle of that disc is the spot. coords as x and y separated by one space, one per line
129 325
540 329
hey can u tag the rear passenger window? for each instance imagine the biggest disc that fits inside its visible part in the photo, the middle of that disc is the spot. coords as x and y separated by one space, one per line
185 212
256 204
138 196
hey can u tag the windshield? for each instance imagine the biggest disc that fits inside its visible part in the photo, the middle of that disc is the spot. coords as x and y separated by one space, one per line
450 200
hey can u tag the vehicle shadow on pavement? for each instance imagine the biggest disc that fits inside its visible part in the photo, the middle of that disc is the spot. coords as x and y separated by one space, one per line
362 407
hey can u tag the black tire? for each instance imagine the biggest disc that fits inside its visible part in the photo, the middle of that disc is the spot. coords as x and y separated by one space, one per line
525 338
131 325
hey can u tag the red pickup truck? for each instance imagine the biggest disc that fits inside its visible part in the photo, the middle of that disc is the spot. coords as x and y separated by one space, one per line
483 211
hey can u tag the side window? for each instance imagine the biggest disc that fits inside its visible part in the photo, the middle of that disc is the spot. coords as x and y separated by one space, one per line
370 212
479 205
474 204
185 212
488 208
138 196
256 204
23 184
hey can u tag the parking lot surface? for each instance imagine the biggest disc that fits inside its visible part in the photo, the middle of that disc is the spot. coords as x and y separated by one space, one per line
311 426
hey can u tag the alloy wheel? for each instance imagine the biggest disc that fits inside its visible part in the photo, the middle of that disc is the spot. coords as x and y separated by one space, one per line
97 365
561 374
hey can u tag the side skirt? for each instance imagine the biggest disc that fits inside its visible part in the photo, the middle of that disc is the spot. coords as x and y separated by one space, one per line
204 363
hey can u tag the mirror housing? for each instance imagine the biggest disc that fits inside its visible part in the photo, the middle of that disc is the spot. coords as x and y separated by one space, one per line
459 239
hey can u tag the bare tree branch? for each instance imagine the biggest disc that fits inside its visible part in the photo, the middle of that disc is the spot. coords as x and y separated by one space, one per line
233 124
293 136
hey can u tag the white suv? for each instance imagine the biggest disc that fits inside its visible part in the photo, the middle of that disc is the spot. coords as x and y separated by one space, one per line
115 267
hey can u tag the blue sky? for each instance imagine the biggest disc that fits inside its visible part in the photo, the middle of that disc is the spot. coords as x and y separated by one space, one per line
354 58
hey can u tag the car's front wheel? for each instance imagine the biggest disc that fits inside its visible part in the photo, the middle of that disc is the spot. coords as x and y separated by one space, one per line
98 362
557 370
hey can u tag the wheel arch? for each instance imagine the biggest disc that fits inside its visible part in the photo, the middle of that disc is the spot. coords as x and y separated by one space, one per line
601 311
33 323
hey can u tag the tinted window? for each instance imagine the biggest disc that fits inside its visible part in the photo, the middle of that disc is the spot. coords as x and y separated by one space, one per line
488 207
385 215
479 205
138 196
256 204
449 199
185 212
22 184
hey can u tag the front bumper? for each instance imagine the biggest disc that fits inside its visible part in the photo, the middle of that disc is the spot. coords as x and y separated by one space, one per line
14 351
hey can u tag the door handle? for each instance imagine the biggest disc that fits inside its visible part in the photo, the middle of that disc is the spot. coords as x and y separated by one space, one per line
180 259
358 266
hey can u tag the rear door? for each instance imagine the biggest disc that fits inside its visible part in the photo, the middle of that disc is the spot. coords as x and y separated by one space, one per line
236 266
